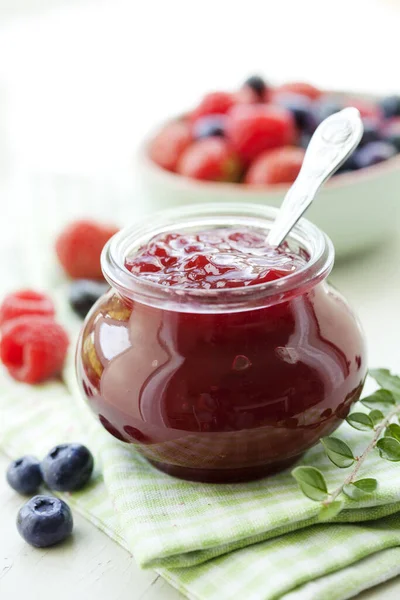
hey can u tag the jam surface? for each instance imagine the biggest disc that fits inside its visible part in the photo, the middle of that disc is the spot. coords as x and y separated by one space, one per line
213 259
221 396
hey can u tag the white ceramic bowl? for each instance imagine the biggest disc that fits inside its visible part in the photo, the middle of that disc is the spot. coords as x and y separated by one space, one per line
357 210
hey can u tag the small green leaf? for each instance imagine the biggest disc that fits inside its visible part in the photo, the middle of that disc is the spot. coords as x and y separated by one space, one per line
338 452
379 398
376 416
360 421
386 380
367 485
393 431
311 482
360 489
389 448
330 511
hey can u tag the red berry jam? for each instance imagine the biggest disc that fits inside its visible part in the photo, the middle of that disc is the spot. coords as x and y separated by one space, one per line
218 357
213 259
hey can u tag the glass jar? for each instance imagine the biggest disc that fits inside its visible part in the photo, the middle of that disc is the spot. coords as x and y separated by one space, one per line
221 385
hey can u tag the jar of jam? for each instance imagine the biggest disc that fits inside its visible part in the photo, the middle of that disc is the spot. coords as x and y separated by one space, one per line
217 357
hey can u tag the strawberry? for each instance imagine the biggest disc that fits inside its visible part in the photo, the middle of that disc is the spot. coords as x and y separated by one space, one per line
275 166
210 159
253 128
213 103
169 144
299 87
79 248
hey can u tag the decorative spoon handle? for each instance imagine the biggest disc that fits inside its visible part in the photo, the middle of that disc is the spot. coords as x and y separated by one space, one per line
333 141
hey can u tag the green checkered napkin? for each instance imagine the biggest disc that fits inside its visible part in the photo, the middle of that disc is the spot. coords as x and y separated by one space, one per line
177 527
258 541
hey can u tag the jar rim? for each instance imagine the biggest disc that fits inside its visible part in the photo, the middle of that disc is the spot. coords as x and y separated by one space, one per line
307 235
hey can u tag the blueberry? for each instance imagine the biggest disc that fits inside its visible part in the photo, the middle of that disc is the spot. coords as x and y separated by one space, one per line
305 140
326 107
257 84
349 165
342 170
44 521
371 132
373 153
24 475
301 109
83 293
212 125
392 133
67 467
390 106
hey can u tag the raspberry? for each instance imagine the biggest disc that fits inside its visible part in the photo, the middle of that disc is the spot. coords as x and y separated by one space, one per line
33 348
79 248
25 302
253 128
213 103
210 159
299 87
276 166
168 145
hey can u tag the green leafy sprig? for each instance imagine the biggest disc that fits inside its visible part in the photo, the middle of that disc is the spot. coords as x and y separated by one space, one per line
384 406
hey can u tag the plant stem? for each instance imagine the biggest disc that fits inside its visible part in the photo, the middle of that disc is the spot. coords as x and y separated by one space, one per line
360 460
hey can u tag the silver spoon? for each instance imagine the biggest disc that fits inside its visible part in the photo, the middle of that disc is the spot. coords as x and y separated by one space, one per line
332 143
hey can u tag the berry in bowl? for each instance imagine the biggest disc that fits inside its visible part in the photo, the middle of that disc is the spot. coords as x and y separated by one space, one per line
249 146
217 356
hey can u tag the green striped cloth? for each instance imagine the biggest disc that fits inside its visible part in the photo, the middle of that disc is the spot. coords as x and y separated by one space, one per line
177 527
259 541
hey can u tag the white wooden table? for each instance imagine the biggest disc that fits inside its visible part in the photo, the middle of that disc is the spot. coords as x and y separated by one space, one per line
80 83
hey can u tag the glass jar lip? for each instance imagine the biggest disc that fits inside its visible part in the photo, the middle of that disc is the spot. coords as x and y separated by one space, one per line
130 285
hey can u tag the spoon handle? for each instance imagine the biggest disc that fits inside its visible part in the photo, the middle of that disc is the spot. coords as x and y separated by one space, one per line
333 141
